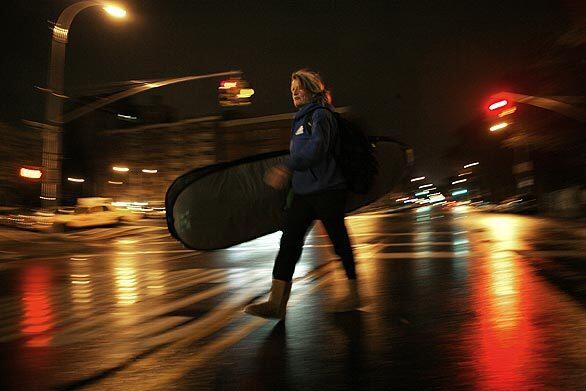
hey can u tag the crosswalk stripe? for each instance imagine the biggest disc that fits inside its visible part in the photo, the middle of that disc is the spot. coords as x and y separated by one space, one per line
553 253
423 255
417 244
153 327
211 349
68 336
227 312
357 235
206 353
203 326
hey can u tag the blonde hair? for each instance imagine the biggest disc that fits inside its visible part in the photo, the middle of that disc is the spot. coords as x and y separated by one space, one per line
312 82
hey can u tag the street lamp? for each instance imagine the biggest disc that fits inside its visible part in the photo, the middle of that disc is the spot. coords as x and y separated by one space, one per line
51 185
115 11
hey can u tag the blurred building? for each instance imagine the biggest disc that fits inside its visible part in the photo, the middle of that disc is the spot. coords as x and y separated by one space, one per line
21 147
155 155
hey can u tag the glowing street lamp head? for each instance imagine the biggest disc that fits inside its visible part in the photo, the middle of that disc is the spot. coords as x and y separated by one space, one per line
115 11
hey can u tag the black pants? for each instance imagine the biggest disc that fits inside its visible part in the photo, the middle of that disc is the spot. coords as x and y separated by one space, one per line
327 207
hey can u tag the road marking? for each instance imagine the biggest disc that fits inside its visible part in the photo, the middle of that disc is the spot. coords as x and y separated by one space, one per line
227 312
67 337
400 234
424 255
210 350
552 253
111 232
417 244
157 237
153 327
202 357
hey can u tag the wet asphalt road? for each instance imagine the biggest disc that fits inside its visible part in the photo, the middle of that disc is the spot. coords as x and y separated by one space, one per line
456 300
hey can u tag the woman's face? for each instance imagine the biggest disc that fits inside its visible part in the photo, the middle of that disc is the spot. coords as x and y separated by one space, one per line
299 94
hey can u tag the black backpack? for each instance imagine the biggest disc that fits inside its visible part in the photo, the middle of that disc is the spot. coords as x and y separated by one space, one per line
353 152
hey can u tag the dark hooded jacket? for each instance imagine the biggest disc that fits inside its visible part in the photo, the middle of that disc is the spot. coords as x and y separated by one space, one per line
311 151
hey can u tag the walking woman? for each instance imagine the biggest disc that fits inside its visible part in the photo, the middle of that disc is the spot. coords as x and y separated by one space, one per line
319 192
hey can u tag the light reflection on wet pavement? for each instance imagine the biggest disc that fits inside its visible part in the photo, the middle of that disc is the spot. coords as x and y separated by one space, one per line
456 299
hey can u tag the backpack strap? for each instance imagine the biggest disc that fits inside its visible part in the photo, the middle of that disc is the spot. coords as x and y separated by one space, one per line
306 121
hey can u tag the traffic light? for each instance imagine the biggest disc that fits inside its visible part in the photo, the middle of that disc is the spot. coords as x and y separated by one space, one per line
499 113
234 92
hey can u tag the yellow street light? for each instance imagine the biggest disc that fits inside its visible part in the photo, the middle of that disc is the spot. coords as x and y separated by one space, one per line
245 93
115 11
120 169
30 173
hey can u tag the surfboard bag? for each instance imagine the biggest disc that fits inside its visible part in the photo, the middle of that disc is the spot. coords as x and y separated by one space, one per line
225 204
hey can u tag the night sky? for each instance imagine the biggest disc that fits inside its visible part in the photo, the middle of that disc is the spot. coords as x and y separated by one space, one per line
415 70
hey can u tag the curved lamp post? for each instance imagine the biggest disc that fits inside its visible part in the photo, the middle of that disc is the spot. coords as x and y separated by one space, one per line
51 183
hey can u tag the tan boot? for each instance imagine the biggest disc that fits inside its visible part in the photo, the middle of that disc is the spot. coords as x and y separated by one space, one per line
350 302
276 306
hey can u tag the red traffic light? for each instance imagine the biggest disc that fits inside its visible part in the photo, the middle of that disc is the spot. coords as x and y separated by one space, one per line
498 104
228 84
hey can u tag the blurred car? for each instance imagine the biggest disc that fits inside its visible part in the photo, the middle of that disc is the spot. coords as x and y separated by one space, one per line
92 212
92 216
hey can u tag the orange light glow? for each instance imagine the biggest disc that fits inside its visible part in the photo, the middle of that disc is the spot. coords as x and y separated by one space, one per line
507 111
498 126
115 11
245 93
37 309
504 342
227 84
30 173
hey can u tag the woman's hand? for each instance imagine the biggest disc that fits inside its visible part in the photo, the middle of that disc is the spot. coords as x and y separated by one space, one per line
277 177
